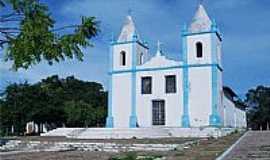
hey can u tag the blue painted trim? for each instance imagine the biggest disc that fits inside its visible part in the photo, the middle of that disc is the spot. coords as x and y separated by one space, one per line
143 44
165 68
214 118
217 32
133 116
215 29
109 119
196 33
185 116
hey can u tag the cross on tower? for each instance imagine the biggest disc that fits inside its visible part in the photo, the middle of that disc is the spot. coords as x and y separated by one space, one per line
159 45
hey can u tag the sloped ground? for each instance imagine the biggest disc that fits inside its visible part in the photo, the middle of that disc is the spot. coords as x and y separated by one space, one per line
204 149
255 145
121 141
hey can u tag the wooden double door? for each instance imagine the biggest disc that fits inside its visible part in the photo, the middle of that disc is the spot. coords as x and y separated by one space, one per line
158 112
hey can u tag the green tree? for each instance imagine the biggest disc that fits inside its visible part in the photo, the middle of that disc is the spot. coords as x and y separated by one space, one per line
258 101
79 114
13 108
28 31
53 101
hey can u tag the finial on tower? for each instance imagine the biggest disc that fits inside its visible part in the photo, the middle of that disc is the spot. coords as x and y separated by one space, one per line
159 45
159 48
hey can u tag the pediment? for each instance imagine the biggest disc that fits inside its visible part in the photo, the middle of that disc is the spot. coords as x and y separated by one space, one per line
160 61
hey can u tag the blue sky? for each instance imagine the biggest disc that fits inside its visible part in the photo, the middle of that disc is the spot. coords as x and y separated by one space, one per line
245 26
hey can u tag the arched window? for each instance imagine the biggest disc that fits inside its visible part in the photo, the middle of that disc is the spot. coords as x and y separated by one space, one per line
141 58
199 49
122 58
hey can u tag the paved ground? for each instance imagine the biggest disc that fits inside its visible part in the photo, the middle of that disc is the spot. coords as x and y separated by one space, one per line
255 145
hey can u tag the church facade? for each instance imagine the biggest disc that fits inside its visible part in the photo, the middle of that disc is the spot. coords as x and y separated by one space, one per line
147 91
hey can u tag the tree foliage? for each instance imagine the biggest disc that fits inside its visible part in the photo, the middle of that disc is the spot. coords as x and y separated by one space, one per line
53 101
258 101
28 31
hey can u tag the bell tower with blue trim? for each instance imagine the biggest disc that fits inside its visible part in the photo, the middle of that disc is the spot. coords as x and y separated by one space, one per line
126 53
202 72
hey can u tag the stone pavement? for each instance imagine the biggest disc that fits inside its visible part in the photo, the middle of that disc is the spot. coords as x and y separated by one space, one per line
255 145
61 145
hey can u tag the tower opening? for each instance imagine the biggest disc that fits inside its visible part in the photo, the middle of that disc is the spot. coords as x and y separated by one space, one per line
123 58
141 59
199 49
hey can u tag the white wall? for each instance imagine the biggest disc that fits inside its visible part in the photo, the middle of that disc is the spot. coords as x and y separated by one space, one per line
234 117
200 80
121 99
205 39
229 112
240 118
220 97
116 56
140 49
200 96
173 101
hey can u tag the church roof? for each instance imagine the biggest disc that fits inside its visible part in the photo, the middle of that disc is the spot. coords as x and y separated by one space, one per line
229 93
160 60
128 30
201 21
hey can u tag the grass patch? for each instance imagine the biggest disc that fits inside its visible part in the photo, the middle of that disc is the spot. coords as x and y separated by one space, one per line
135 156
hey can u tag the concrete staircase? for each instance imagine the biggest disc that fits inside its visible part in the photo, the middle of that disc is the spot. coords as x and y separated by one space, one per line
140 133
128 133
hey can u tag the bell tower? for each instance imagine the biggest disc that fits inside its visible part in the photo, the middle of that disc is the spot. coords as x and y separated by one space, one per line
202 78
126 53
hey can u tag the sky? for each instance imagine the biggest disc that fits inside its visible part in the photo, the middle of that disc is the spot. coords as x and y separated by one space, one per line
244 24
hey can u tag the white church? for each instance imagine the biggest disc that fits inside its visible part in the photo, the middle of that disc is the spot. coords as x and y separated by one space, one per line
155 91
156 97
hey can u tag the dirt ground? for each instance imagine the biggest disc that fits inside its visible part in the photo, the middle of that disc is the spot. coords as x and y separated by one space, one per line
120 141
205 149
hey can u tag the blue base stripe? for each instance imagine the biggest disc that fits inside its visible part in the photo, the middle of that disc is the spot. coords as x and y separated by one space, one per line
215 120
185 121
109 122
132 122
